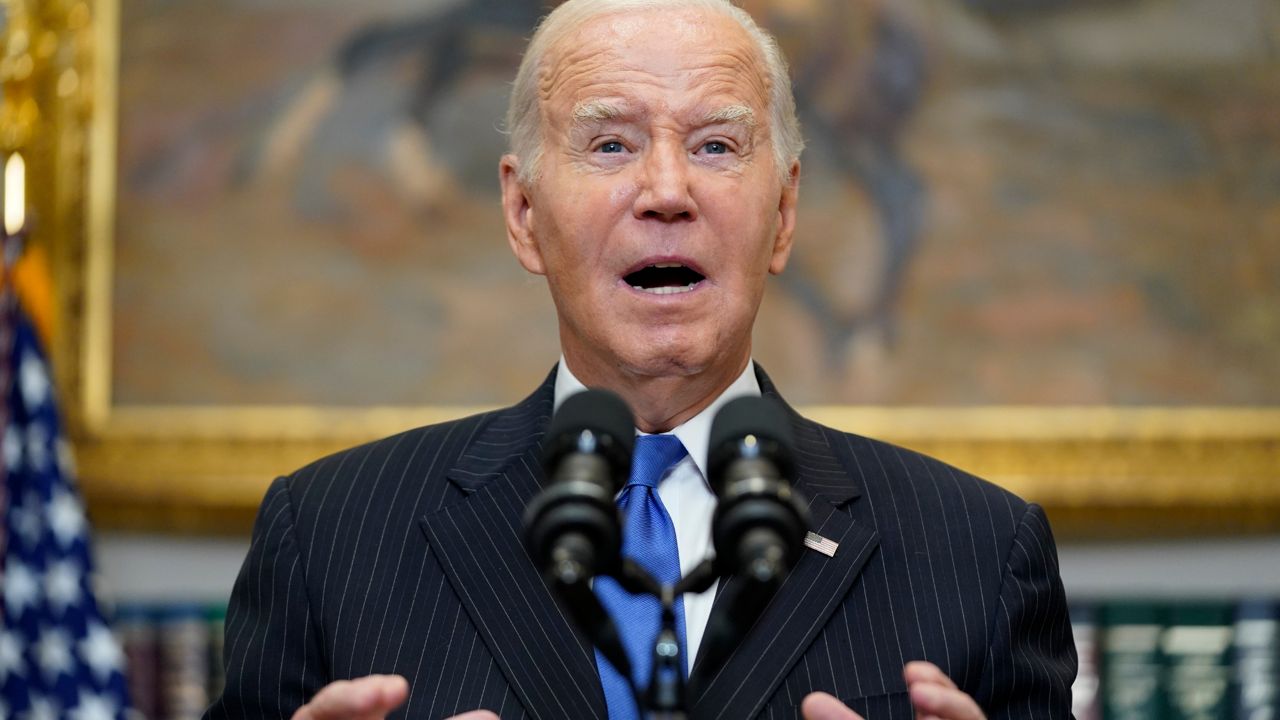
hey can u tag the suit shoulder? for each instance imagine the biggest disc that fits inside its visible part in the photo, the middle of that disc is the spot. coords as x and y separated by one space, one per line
891 472
381 468
442 433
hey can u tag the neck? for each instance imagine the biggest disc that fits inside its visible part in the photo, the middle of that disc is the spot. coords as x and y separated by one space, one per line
661 402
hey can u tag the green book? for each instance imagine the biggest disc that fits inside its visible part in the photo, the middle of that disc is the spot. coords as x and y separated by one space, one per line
216 616
1131 660
1197 651
1257 660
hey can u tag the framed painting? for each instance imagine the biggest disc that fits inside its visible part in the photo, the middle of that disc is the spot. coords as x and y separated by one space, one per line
1038 240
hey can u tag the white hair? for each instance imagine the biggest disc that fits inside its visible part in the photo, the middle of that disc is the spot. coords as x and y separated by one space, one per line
524 121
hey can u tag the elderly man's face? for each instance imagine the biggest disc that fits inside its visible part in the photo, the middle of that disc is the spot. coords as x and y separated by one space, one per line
659 209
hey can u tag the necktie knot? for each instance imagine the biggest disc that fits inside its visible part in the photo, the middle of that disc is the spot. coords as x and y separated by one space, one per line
653 456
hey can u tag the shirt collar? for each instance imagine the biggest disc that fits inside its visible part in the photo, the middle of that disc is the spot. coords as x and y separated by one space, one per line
695 433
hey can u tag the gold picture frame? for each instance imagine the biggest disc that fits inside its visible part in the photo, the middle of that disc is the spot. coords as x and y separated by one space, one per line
1099 471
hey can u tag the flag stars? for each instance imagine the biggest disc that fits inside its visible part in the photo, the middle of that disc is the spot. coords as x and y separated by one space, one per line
21 589
41 709
58 659
66 519
10 657
37 448
27 521
12 450
62 584
100 652
33 381
53 652
94 707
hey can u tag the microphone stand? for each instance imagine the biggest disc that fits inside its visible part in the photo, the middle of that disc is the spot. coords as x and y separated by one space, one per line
666 697
743 603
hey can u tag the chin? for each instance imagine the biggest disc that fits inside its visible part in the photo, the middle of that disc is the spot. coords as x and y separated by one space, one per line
657 367
654 361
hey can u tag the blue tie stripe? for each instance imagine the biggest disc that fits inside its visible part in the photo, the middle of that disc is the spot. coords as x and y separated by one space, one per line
649 537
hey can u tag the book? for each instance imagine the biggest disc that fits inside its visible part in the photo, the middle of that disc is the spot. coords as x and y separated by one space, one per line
1131 660
1137 660
1197 651
184 662
139 639
216 616
1257 660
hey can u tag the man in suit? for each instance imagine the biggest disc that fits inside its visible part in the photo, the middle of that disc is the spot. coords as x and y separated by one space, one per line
653 181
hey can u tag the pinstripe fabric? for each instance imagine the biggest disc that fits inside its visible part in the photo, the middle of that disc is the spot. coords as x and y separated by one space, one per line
404 556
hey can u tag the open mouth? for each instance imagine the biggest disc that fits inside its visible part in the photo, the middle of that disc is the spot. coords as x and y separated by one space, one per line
664 279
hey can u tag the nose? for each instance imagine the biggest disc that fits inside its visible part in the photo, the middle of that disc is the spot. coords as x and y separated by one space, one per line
665 192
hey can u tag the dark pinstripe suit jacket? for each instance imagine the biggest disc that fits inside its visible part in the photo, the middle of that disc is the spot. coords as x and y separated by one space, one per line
404 556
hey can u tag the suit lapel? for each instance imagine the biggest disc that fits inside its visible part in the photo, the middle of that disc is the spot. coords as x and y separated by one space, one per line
546 662
811 592
478 542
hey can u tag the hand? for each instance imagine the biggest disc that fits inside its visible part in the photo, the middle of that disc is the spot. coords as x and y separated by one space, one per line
367 698
936 696
933 694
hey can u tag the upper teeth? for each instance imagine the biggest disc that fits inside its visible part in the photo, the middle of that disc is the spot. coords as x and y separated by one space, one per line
668 265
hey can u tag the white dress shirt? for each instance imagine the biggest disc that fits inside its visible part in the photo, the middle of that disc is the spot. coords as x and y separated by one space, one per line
685 493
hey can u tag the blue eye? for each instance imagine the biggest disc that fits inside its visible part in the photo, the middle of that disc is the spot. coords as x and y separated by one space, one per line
716 148
611 147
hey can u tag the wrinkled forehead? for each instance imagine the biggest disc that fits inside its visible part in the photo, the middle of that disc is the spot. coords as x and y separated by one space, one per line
697 57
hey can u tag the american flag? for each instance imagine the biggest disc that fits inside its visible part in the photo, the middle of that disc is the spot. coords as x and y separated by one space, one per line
826 546
58 658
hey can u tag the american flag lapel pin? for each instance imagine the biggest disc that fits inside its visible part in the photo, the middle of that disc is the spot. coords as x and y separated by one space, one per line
826 546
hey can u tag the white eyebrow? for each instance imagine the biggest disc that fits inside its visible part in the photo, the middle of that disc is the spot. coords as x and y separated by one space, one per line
600 111
596 111
734 114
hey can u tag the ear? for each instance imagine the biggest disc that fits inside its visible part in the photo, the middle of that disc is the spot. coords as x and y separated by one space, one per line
517 210
786 220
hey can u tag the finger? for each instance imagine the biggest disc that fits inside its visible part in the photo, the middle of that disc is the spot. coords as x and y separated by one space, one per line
476 715
368 697
921 671
821 706
322 699
931 699
344 700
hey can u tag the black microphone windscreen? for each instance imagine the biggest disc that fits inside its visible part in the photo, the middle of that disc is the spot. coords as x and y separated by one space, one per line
762 417
602 413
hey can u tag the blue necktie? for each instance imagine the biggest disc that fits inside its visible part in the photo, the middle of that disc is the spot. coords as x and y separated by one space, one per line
648 537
